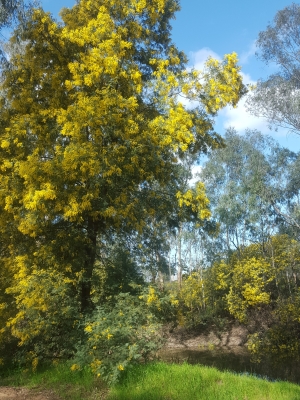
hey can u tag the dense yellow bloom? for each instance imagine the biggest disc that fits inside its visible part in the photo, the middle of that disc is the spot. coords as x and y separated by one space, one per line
91 113
152 296
248 287
193 292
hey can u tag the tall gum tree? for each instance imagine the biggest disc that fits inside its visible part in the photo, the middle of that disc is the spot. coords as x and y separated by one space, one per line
277 97
90 115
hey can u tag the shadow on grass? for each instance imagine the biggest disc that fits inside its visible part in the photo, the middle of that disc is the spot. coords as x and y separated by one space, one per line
235 360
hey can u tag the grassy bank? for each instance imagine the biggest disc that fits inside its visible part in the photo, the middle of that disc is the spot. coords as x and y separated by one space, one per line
69 385
178 382
158 381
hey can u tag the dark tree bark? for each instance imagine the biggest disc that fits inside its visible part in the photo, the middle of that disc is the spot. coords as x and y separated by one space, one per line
90 257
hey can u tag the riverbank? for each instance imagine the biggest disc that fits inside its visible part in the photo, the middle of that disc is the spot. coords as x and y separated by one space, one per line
225 350
183 381
198 365
235 335
154 381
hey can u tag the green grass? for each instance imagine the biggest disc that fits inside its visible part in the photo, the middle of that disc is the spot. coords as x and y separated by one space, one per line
162 381
157 381
69 385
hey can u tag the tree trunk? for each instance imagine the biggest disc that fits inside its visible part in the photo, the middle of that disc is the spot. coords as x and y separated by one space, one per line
179 274
90 256
170 272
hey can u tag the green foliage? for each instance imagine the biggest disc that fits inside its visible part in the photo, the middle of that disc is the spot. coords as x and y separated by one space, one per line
162 303
47 323
250 187
118 334
281 340
276 97
116 271
201 302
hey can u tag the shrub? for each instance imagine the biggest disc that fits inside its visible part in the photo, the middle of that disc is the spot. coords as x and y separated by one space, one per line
282 339
119 333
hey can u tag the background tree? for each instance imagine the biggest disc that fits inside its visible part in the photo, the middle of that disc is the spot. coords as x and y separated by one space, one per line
247 185
277 97
12 12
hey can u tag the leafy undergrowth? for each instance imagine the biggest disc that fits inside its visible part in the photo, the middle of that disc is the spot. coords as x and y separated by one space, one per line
156 381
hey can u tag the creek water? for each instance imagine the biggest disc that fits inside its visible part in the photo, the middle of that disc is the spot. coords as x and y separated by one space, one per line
236 359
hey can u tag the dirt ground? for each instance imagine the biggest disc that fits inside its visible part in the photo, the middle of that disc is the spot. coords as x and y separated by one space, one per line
10 393
235 336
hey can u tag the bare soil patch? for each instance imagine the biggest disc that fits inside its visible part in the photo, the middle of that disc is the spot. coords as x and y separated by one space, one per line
234 336
20 393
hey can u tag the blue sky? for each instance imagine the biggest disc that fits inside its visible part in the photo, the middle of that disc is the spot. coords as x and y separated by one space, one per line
217 27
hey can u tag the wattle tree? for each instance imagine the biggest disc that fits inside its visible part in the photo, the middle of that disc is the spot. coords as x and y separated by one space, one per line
90 118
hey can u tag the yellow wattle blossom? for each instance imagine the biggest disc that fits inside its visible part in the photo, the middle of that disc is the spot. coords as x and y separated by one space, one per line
248 286
88 328
152 296
196 200
5 144
91 113
75 367
35 363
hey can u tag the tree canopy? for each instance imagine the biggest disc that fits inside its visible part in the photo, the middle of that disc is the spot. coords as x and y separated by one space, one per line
91 123
277 97
99 133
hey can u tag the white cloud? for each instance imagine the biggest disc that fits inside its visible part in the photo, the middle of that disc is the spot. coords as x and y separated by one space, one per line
246 55
238 118
196 169
198 58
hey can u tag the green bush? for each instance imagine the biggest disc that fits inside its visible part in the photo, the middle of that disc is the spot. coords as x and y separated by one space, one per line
281 340
118 334
162 304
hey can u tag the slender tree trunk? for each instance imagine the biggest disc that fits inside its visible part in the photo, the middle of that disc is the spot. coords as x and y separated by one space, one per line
179 274
202 286
227 243
90 256
190 257
274 268
288 281
238 243
170 272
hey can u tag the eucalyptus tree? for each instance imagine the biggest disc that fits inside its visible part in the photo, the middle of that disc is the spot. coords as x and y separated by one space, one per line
291 213
277 97
12 13
9 11
246 184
